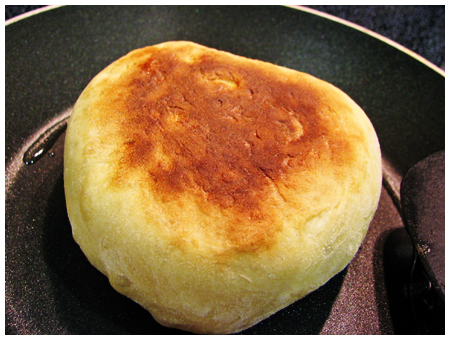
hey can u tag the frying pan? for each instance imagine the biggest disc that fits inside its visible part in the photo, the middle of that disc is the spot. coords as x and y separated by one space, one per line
50 288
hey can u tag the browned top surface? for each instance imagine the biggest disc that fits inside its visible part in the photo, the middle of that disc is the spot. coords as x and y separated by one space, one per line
224 129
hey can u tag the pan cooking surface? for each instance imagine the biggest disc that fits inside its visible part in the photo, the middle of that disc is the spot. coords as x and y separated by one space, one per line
50 286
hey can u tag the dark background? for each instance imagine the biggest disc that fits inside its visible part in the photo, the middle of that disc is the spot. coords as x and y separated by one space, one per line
418 28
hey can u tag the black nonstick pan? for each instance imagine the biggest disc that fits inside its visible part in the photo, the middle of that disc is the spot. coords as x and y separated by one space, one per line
50 288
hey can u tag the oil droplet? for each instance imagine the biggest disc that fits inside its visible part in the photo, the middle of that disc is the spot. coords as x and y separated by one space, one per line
45 142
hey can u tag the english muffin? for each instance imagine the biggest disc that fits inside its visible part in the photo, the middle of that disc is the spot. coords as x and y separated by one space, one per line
213 189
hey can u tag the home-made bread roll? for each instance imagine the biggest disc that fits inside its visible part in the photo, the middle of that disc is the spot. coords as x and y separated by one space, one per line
214 190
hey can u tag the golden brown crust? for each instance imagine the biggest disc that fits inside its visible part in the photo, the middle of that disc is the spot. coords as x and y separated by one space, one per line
222 129
232 166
